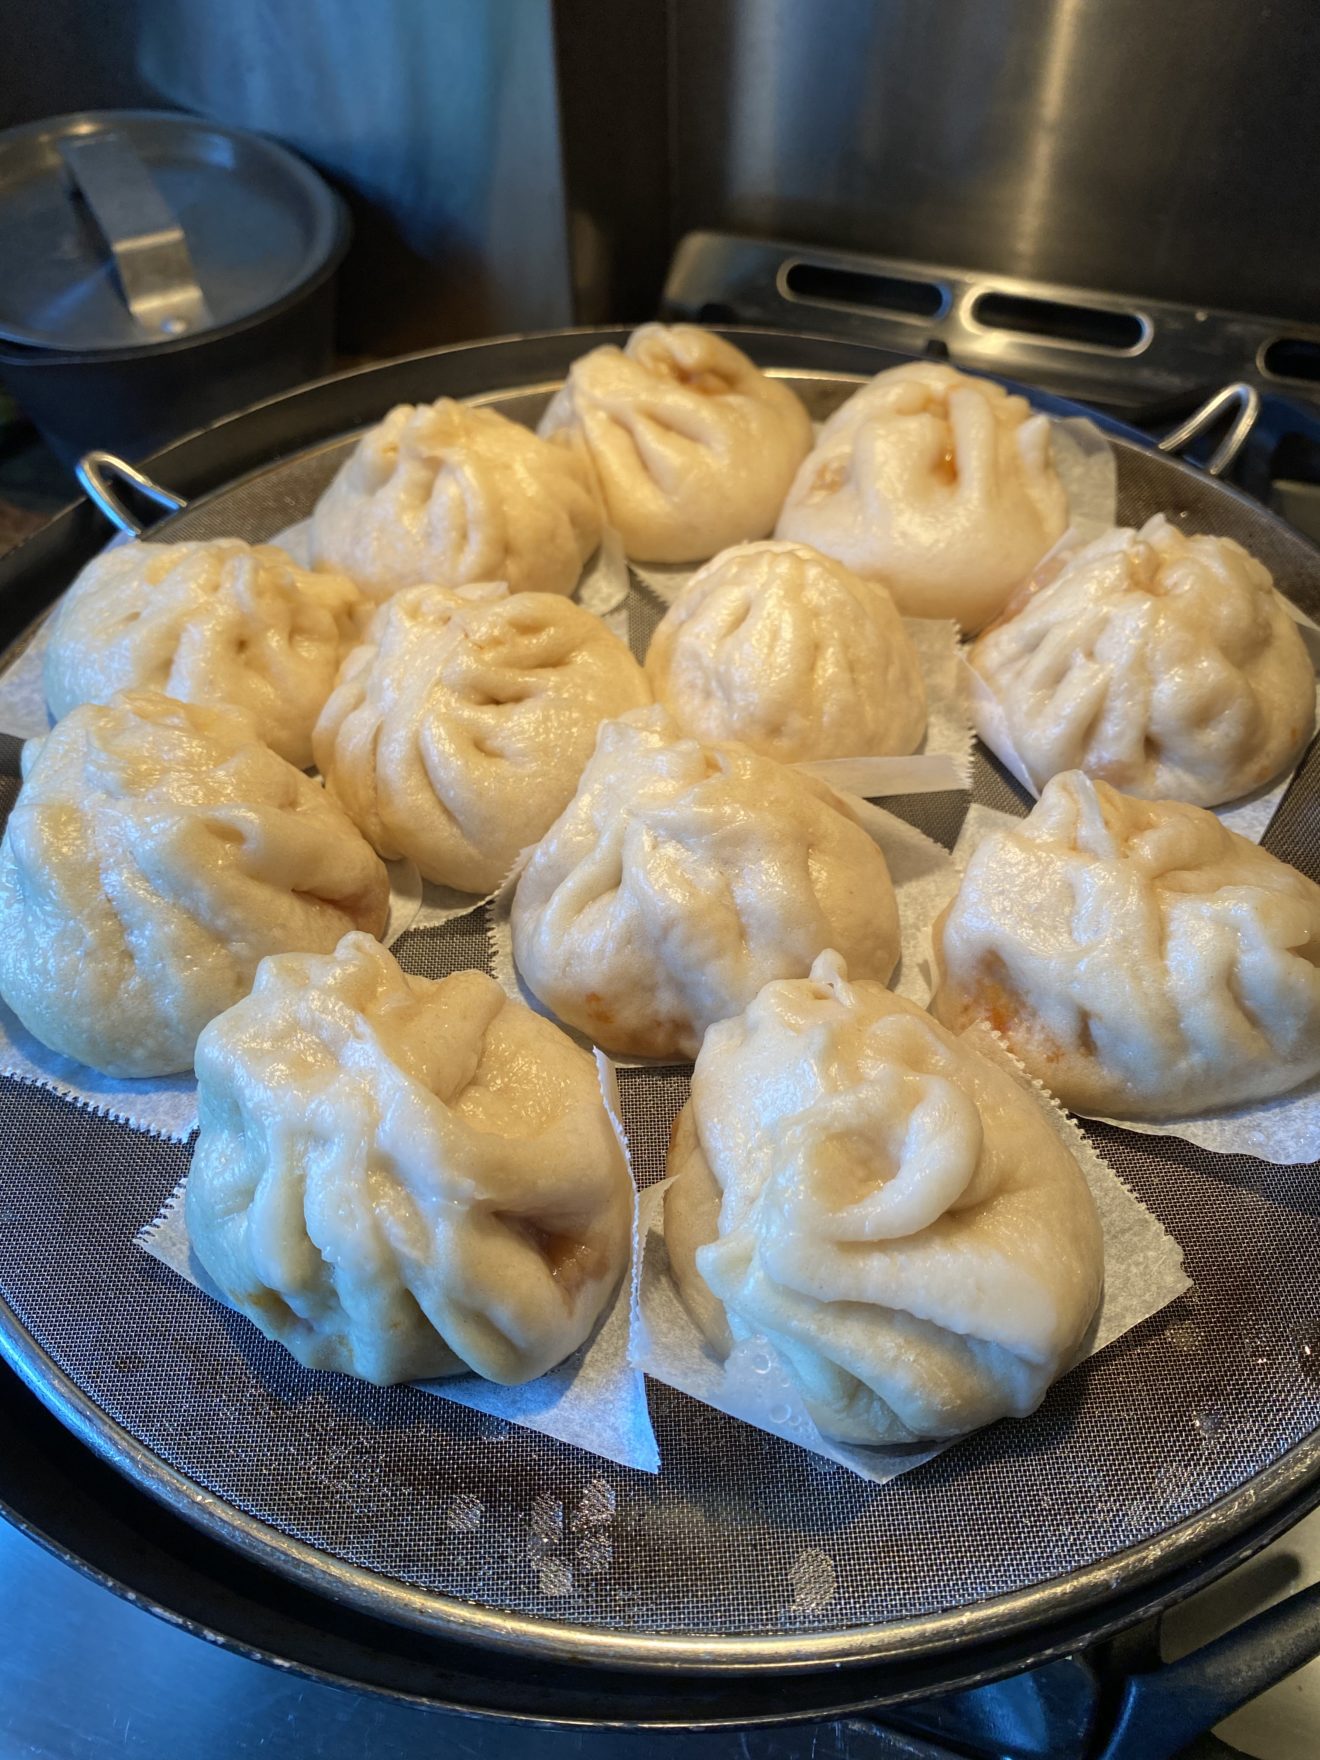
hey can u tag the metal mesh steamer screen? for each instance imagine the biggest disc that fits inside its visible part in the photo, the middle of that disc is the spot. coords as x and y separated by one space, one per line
740 1533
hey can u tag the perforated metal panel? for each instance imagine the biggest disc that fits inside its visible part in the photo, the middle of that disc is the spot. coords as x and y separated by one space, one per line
740 1533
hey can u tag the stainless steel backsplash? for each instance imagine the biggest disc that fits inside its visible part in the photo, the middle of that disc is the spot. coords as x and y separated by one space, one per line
1164 147
514 163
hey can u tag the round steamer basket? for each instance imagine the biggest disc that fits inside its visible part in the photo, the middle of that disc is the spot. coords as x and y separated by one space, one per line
422 1531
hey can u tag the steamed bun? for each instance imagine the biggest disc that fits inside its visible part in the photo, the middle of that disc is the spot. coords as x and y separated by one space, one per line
1139 958
214 622
447 493
157 852
681 878
789 652
893 1212
939 485
459 728
692 445
1163 663
400 1178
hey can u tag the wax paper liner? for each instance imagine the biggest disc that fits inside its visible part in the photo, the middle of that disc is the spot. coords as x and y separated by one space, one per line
945 759
296 541
924 881
1088 470
164 1106
1250 817
22 699
1143 1274
595 1400
438 904
1285 1130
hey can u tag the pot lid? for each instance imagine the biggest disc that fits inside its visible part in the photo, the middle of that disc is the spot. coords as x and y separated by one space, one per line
123 228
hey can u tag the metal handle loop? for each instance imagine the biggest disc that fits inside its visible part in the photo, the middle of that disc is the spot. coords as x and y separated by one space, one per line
96 470
1247 399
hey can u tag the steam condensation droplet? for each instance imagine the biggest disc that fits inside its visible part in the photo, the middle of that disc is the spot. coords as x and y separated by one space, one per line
814 1580
556 1577
464 1514
545 1522
594 1555
596 1506
546 1518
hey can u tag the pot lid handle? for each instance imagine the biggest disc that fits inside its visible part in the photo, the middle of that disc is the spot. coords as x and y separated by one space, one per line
155 267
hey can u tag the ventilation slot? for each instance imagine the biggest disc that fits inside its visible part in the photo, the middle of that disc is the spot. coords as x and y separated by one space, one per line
1289 357
1121 332
892 294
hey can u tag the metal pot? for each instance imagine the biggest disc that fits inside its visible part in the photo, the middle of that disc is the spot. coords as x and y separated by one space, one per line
163 271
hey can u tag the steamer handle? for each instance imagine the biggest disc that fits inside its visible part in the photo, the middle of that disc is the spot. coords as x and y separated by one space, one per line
99 472
1246 398
1164 1710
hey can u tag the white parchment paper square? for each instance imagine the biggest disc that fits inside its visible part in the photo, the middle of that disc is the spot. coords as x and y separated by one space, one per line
596 1400
165 1106
22 699
1143 1273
